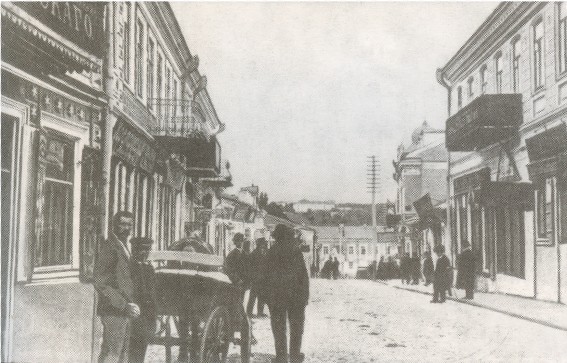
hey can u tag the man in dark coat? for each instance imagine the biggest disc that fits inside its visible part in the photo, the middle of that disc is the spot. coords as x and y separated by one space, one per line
257 260
405 268
442 278
428 268
115 289
285 286
234 263
466 267
327 271
143 276
336 265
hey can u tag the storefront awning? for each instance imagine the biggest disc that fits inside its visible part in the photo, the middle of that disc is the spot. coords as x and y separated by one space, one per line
501 194
547 152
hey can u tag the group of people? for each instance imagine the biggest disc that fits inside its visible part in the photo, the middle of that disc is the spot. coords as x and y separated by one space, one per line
443 273
280 279
330 269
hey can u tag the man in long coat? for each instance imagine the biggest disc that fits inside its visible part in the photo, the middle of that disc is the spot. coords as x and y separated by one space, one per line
466 266
257 260
113 283
285 287
442 278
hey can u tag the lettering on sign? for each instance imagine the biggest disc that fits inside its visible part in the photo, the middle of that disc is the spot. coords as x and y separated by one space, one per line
471 181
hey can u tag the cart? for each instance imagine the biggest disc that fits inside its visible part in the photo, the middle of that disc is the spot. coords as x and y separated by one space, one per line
199 311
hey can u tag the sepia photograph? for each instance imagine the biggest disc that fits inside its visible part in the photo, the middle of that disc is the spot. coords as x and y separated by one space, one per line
283 181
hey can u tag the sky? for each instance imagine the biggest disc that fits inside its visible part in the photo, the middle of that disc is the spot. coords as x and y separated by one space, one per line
309 90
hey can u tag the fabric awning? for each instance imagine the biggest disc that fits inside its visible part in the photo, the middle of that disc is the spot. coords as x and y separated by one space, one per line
500 194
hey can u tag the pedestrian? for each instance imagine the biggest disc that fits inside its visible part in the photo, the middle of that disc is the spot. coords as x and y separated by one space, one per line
428 268
381 269
143 277
442 277
257 261
466 268
405 268
336 265
234 262
327 270
115 289
285 287
415 270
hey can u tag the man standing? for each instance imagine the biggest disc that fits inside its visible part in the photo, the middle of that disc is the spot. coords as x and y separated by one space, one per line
442 278
285 286
144 326
257 261
466 270
113 283
428 268
234 262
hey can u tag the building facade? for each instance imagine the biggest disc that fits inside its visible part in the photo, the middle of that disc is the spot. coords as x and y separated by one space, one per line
103 109
507 93
421 174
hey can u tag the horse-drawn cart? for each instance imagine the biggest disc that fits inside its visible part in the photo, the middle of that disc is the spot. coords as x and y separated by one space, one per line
198 308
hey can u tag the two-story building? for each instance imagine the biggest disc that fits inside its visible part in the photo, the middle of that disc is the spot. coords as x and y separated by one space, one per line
507 104
420 174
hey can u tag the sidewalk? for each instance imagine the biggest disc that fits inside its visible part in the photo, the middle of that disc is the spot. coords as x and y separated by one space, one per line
541 312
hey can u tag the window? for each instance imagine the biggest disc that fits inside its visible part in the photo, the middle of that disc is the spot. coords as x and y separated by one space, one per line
363 250
150 74
350 264
545 194
510 242
139 58
538 54
325 250
462 204
562 52
498 71
167 92
470 87
351 250
55 183
174 101
516 65
159 80
459 97
126 44
483 82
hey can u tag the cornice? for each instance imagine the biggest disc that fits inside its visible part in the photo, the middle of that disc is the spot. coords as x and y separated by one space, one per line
504 21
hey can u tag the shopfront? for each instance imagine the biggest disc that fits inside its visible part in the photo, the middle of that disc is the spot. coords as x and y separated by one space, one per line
547 169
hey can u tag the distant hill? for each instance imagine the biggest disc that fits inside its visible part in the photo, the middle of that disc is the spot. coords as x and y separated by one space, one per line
349 214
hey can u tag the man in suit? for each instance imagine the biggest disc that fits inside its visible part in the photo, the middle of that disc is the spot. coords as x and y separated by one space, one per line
285 287
257 260
143 276
113 283
442 277
234 262
466 268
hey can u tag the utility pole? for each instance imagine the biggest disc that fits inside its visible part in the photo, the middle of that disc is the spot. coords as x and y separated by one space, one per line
373 185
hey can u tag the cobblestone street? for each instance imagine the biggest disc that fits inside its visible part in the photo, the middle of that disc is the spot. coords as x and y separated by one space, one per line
362 321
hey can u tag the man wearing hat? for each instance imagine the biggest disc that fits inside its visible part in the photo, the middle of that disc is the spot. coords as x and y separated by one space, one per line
234 262
466 270
143 277
442 277
257 259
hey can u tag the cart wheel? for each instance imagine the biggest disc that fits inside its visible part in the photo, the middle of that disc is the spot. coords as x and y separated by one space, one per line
216 337
245 338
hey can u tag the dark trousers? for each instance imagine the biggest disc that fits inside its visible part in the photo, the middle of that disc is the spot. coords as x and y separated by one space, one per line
252 300
469 293
279 316
439 293
138 346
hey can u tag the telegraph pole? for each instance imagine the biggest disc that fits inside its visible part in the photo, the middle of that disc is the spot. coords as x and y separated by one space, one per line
373 184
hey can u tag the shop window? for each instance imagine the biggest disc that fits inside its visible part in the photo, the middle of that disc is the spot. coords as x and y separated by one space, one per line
476 234
562 41
510 242
462 203
538 54
545 196
55 188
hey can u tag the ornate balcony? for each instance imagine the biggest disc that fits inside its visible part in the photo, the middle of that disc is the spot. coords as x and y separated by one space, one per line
485 121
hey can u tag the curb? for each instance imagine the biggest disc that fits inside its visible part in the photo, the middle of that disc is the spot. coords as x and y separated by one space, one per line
478 305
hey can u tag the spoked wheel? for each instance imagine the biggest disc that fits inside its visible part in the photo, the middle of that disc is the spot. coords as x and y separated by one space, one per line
216 337
245 338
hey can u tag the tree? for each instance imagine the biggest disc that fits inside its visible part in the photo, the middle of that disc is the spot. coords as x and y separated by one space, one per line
262 200
275 210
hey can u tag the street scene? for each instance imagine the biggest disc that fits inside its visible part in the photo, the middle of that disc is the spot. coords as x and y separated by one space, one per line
283 182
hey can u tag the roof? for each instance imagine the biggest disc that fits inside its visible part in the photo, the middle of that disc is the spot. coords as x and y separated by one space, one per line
271 220
297 218
435 153
351 232
387 237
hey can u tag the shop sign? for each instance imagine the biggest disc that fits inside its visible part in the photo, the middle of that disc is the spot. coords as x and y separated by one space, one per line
547 144
423 206
80 22
472 181
133 149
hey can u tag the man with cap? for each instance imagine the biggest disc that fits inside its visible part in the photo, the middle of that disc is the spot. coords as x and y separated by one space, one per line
143 277
466 268
115 288
257 260
285 287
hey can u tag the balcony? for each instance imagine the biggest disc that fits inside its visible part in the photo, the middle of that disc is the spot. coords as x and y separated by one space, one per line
181 130
485 121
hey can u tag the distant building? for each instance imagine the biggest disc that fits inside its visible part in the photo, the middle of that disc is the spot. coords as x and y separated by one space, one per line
305 205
